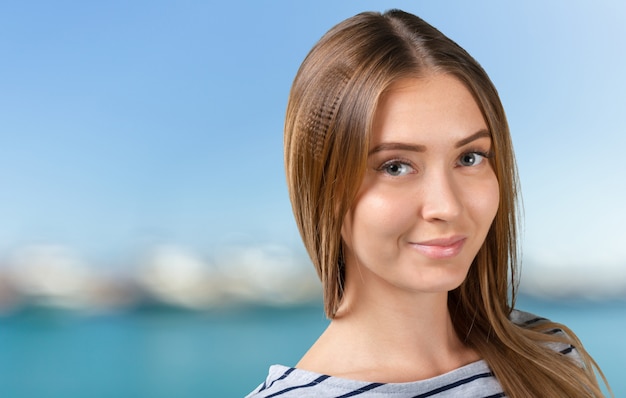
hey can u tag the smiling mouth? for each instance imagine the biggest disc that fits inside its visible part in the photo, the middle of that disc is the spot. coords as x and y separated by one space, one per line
440 248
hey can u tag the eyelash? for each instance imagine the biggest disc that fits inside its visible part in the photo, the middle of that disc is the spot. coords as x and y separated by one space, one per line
486 154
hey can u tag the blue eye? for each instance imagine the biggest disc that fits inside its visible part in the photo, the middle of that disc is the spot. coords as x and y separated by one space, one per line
470 159
396 168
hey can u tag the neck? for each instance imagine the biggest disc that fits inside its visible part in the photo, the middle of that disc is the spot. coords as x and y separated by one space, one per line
384 334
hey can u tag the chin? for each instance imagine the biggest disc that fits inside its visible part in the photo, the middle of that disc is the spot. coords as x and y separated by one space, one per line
437 282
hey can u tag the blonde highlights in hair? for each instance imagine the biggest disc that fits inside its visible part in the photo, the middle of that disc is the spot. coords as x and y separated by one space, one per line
327 132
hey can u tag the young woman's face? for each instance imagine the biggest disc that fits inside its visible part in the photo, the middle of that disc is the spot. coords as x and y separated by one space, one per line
429 194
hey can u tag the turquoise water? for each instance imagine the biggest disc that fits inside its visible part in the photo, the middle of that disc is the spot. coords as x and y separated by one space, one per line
167 353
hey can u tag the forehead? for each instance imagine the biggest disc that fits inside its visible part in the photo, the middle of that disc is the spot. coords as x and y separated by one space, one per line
426 107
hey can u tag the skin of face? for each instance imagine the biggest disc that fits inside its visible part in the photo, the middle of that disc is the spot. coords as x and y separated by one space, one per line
429 194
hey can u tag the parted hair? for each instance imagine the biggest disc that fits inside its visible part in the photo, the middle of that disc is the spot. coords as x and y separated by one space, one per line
328 126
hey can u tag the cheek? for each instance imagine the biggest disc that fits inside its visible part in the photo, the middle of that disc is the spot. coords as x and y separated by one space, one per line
376 214
486 200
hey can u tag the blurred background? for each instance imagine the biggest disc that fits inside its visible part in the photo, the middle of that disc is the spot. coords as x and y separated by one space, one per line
147 246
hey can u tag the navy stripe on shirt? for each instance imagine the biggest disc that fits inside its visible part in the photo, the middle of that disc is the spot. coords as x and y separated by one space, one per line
311 384
533 320
454 385
265 386
361 390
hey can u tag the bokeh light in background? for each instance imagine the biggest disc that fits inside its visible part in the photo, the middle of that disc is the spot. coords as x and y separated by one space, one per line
141 166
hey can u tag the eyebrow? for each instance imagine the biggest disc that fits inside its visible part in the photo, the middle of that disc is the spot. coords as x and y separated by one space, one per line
479 134
421 148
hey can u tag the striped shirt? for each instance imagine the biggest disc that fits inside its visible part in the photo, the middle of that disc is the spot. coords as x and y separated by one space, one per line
473 380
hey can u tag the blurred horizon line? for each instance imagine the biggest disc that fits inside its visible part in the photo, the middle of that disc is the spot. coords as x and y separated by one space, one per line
267 274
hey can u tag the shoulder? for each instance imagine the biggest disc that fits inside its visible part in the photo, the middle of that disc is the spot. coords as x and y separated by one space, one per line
562 342
475 379
286 382
530 321
526 319
289 382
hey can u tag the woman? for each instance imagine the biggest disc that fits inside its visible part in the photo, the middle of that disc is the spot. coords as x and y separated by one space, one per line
403 184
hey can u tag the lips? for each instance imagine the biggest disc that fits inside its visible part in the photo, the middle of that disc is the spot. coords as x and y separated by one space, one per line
440 248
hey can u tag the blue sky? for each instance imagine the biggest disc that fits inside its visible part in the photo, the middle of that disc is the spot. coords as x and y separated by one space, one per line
129 124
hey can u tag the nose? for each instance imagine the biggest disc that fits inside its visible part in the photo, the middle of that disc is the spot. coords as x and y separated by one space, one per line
440 197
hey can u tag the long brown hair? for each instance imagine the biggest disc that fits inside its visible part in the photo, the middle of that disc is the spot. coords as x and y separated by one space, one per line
327 132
